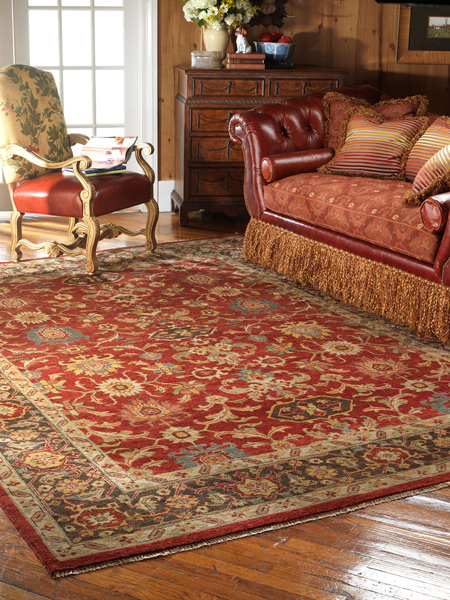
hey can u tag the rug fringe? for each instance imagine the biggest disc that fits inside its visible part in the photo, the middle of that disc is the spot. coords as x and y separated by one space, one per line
250 532
401 297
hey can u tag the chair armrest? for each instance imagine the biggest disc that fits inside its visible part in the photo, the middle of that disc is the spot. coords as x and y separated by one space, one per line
18 150
78 138
434 212
76 162
279 166
140 150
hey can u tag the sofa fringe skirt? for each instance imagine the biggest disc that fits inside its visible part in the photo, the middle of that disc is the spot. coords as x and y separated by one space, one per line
401 297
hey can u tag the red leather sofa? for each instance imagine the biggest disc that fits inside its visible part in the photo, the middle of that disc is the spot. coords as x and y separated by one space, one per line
351 237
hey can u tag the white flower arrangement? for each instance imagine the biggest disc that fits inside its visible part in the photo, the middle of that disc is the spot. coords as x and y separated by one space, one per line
217 13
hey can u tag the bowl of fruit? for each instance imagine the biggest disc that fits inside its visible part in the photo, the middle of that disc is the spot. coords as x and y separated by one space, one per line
276 46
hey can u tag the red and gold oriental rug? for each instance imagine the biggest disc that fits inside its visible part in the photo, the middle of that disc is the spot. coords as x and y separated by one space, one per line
187 396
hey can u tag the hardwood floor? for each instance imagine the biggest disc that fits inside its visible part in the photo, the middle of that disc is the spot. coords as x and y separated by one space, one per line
397 550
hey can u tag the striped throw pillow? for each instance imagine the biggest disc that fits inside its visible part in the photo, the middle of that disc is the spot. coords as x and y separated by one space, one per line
435 137
376 148
433 178
337 106
435 167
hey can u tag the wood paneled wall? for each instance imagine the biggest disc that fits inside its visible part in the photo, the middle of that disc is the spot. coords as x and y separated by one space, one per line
359 36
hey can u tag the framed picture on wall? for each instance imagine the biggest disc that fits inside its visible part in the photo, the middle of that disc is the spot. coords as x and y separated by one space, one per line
424 35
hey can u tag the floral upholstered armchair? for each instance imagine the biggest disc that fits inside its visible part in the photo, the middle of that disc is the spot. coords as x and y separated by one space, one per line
35 146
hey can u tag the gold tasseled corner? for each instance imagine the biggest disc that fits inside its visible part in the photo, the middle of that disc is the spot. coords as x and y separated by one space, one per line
399 296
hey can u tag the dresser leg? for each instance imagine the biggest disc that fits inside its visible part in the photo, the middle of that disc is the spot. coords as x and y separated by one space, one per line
184 216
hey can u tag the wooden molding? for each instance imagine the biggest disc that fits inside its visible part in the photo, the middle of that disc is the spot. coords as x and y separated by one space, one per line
424 57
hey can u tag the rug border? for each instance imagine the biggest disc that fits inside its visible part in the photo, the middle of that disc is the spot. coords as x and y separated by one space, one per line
250 532
57 569
242 534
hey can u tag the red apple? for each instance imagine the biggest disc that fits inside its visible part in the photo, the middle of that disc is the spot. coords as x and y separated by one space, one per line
275 36
265 37
284 39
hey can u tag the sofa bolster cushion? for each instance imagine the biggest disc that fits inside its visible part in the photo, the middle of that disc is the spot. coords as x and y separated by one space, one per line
278 166
434 212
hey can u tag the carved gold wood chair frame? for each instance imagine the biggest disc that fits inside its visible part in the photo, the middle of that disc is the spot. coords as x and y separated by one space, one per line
83 233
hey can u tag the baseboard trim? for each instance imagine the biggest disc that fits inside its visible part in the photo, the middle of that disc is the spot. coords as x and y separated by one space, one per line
164 189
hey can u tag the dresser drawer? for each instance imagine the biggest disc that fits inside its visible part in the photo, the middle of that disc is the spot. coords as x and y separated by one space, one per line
215 150
225 88
211 119
296 87
217 182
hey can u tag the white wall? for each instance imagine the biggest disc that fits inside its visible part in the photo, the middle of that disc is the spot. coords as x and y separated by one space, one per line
6 58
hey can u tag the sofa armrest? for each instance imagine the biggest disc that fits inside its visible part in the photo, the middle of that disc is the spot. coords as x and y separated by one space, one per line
434 212
276 128
278 166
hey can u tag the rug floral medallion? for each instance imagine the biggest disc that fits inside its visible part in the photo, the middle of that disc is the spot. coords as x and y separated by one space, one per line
186 396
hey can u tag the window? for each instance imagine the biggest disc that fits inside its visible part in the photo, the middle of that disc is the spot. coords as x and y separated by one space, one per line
82 42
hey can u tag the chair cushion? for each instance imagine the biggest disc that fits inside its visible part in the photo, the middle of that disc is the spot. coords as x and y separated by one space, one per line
360 207
58 194
30 115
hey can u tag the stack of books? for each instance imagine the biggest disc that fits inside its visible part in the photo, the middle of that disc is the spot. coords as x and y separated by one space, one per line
245 61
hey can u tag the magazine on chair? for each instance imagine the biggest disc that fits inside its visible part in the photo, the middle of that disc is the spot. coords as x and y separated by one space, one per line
108 154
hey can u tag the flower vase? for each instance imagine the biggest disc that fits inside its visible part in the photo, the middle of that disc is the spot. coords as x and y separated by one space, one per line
216 40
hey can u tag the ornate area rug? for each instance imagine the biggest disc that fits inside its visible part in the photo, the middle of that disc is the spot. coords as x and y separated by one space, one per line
187 396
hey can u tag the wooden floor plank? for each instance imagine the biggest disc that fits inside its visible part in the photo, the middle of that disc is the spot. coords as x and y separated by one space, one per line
180 579
288 565
8 592
34 579
397 551
288 585
146 585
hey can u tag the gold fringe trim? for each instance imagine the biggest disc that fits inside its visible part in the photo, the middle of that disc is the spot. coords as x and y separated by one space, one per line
255 531
401 297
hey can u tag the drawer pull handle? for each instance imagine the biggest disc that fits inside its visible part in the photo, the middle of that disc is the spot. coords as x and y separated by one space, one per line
198 148
229 147
226 180
206 89
278 89
202 119
325 88
227 88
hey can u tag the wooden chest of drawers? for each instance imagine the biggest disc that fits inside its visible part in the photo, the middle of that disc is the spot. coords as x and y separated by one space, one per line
209 169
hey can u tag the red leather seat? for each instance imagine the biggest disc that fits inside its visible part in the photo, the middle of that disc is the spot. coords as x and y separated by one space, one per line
58 194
